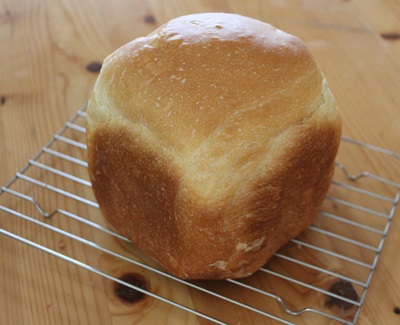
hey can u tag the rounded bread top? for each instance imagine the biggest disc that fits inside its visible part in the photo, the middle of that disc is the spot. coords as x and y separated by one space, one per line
199 70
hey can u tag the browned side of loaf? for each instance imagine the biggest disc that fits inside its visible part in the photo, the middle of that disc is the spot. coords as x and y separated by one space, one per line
140 194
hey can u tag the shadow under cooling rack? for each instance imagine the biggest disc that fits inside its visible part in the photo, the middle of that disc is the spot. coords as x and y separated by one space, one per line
321 276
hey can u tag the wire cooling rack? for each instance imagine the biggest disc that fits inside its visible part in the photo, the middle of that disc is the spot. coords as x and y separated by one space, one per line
319 277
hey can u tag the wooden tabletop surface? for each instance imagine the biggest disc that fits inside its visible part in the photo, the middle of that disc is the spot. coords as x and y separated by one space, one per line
50 54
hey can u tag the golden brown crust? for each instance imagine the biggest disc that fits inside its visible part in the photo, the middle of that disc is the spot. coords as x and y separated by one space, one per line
211 143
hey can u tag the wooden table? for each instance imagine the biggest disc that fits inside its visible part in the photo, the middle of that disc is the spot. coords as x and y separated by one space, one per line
49 51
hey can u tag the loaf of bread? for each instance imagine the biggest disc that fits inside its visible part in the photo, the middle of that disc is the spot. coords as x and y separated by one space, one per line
211 143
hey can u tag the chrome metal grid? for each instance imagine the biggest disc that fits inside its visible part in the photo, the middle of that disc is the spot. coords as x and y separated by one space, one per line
53 194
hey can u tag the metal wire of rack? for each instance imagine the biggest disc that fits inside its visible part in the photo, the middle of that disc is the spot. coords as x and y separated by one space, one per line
340 250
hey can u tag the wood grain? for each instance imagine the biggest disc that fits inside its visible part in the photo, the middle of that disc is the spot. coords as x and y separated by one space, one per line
46 47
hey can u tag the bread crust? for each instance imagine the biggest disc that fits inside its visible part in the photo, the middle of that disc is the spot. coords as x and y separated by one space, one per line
211 143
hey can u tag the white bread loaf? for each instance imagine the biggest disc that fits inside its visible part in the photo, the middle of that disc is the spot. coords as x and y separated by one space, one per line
211 143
